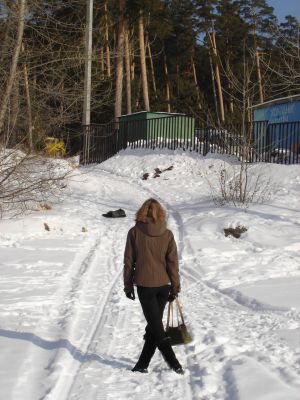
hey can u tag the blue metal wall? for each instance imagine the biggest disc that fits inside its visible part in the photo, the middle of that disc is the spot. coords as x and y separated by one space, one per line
274 113
280 131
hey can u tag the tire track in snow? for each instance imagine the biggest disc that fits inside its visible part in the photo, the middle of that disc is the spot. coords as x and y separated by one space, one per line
97 328
65 298
80 353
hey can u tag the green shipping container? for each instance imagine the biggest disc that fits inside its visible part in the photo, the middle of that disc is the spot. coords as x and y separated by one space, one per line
156 126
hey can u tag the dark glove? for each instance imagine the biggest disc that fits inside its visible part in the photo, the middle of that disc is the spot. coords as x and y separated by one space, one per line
172 297
130 295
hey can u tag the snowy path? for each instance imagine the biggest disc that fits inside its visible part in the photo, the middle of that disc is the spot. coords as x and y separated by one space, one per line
83 341
114 327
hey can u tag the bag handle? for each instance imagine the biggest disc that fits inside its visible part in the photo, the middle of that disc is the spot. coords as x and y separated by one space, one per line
169 314
180 310
170 318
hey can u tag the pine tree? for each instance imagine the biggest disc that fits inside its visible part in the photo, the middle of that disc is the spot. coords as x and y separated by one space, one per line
206 13
231 33
260 18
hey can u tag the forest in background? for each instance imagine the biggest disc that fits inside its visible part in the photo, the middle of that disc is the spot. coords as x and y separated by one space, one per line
212 59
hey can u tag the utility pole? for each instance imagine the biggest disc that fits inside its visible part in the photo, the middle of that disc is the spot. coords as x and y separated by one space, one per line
88 64
86 118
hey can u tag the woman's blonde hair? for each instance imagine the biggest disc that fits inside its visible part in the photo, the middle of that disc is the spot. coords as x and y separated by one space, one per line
153 209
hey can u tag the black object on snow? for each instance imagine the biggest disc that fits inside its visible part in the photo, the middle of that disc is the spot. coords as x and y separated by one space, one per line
115 214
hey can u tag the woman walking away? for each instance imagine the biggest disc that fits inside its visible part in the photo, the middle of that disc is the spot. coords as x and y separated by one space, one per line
151 263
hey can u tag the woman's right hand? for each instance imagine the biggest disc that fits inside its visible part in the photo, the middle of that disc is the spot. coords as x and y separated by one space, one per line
130 295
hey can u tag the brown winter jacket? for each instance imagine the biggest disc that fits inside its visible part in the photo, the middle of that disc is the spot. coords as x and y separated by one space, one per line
150 257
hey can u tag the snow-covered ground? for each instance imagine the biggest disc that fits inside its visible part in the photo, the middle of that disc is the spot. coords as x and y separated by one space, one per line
68 332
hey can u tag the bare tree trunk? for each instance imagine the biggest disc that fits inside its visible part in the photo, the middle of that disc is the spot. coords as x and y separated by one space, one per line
213 43
257 59
137 103
218 80
249 113
101 60
119 61
152 70
196 84
127 69
168 97
132 60
15 108
143 61
261 95
214 87
228 69
28 101
15 58
5 37
177 77
108 67
230 99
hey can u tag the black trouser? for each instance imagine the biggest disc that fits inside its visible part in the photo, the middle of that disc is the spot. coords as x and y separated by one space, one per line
153 302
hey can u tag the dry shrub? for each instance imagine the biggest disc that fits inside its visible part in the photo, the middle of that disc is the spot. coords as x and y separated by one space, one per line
240 185
28 179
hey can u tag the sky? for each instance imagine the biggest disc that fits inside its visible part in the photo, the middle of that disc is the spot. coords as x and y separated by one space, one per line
285 7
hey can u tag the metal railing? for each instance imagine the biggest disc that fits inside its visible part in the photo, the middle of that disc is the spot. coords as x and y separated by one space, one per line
258 141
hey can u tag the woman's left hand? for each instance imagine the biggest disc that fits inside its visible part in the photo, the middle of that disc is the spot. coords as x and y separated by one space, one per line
171 297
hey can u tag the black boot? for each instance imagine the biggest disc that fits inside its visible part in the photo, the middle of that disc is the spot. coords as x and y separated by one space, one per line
145 357
169 356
